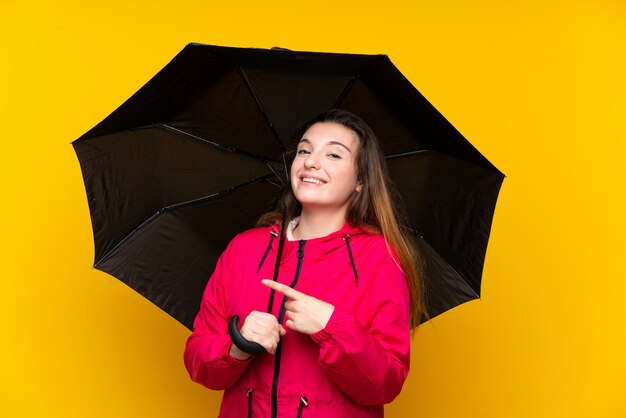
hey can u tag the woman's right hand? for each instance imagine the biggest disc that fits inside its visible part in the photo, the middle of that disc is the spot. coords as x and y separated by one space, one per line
262 328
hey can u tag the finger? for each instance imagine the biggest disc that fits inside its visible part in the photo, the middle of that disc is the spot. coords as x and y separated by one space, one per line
265 324
269 341
281 288
264 332
268 345
264 319
264 316
259 325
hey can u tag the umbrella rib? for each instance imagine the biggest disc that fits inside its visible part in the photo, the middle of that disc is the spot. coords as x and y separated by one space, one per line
215 144
180 204
430 151
266 178
104 257
408 154
258 102
345 91
414 230
220 146
348 86
421 237
276 174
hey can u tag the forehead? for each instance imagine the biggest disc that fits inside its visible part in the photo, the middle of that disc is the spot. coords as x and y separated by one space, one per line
323 133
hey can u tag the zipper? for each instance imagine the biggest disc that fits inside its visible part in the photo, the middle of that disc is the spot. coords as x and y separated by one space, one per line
249 395
281 316
303 403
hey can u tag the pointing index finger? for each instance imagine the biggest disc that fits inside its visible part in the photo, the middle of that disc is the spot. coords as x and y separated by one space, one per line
281 288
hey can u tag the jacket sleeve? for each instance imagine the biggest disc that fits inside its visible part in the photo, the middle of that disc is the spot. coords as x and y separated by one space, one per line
206 356
370 363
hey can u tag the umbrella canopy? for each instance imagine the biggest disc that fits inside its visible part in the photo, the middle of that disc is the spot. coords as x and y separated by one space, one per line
195 156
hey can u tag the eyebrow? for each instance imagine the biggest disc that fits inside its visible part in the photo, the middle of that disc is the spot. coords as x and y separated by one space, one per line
328 143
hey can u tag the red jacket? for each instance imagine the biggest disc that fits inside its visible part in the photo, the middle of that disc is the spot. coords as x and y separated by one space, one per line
349 369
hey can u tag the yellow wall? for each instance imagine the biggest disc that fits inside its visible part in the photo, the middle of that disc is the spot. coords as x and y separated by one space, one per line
537 86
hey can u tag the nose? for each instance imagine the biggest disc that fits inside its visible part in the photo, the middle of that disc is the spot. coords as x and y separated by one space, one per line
311 161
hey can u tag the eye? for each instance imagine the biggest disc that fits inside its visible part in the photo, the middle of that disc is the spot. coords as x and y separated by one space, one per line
334 156
302 151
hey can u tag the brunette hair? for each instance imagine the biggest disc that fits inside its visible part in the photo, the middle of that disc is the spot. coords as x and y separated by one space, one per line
372 207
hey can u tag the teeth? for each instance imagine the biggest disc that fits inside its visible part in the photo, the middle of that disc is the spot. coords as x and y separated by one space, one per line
311 180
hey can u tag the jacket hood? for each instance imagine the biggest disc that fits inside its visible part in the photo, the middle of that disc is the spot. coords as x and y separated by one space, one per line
323 244
339 240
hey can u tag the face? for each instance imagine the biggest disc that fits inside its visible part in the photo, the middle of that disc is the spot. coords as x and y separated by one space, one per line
323 173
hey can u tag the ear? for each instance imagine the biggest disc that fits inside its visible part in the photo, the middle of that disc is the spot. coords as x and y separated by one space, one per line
359 186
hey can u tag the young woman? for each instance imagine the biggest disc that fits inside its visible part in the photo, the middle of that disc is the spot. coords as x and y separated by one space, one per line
348 288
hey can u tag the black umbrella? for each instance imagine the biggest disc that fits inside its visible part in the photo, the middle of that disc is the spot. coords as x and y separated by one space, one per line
195 156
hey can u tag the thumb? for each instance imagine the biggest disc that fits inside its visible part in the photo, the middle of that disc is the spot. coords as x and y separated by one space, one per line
282 331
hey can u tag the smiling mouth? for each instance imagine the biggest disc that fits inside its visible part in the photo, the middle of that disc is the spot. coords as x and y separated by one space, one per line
311 180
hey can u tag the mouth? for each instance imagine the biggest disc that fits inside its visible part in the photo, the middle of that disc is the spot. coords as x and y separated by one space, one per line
312 180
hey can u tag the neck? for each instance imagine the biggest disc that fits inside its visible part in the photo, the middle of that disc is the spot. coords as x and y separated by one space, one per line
318 224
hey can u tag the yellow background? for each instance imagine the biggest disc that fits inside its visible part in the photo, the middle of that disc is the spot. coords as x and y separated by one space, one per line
537 86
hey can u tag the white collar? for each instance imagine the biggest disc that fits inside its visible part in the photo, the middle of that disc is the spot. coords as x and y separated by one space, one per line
290 227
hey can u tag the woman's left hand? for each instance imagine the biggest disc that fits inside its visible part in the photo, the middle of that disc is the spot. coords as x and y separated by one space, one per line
305 313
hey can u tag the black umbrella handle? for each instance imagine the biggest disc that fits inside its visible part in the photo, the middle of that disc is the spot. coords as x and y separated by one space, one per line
240 342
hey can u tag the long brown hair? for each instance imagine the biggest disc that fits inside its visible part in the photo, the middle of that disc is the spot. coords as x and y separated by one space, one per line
371 207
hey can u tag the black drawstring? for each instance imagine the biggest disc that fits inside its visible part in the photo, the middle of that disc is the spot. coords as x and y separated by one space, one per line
274 234
249 395
356 275
279 254
303 402
346 238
